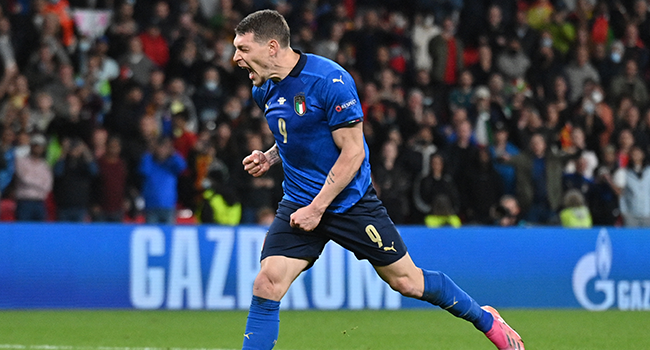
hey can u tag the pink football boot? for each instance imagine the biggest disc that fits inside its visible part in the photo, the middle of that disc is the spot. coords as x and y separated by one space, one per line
502 335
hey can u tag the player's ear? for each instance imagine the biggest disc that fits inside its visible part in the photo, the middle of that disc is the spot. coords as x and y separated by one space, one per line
274 47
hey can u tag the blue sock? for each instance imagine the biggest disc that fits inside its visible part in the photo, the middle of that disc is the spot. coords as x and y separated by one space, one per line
263 325
440 290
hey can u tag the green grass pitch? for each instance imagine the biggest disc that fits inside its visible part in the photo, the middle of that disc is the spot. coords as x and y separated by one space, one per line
316 330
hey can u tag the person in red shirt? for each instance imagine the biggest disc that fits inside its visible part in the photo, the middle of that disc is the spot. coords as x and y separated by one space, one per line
155 46
184 142
111 183
184 139
447 54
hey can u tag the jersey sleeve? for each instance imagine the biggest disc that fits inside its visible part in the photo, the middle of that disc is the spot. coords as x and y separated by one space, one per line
341 101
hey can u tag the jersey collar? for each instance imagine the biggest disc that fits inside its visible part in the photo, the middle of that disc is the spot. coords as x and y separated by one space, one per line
300 65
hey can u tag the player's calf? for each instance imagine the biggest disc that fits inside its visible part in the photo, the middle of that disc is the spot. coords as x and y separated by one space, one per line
403 277
406 286
440 290
262 325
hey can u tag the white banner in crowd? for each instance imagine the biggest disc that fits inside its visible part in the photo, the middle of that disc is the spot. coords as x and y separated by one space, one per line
92 23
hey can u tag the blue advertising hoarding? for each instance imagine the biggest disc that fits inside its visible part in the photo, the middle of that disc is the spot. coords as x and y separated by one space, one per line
210 267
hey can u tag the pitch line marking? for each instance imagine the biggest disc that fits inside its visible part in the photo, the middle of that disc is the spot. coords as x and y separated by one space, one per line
68 347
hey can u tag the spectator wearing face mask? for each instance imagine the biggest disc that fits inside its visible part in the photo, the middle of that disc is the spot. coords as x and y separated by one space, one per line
608 61
209 97
528 36
562 30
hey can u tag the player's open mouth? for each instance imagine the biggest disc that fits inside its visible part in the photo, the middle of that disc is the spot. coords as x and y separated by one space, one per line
251 74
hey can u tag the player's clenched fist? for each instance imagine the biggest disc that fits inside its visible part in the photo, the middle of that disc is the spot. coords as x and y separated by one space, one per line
256 163
306 218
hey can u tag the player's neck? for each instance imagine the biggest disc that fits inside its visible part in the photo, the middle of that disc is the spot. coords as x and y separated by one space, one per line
283 64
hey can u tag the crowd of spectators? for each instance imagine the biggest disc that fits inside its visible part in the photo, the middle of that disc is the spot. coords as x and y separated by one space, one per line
476 112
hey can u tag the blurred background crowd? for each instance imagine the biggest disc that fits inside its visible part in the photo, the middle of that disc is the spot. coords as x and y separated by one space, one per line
476 112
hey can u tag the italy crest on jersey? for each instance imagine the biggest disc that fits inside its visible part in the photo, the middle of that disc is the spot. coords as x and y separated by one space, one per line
300 104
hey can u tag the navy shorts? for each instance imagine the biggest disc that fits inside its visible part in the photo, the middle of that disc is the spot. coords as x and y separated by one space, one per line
365 229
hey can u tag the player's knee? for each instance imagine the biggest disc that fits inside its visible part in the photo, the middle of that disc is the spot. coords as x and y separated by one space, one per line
405 286
266 286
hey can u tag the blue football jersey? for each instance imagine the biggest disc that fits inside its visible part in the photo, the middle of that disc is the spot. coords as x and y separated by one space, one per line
317 97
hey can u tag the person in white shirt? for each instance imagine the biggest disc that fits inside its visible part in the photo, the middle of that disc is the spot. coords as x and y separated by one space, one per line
633 183
34 181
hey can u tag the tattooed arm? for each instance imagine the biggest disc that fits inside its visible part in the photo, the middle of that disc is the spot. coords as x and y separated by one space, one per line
350 141
258 162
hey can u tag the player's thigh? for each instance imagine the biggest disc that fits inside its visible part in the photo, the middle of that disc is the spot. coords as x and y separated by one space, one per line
286 252
287 241
282 269
368 232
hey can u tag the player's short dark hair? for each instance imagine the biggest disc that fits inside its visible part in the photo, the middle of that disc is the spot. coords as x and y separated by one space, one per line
265 25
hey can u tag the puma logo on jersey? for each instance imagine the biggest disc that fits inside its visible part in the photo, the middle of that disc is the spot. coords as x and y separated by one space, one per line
392 247
340 80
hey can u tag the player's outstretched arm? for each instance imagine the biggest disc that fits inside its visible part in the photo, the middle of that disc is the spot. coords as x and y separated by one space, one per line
258 162
350 141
